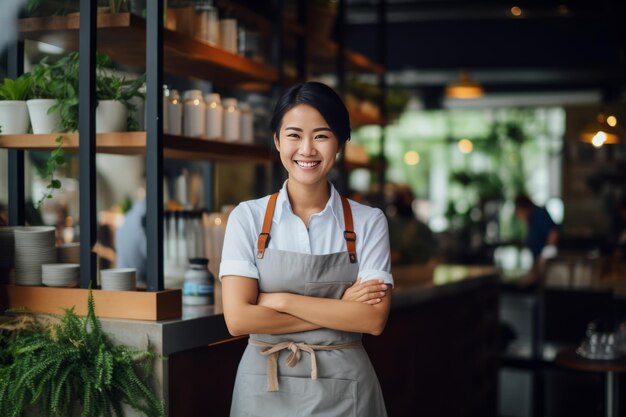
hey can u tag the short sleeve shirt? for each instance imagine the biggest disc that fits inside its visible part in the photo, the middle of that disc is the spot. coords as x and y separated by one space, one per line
324 235
539 226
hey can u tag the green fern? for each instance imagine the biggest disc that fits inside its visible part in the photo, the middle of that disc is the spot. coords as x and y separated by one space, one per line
70 363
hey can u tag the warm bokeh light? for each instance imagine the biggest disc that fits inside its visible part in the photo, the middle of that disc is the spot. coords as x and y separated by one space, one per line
516 11
411 158
598 139
465 146
464 87
611 121
563 9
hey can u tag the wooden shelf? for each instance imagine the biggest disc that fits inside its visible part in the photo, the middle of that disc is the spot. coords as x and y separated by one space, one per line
370 166
250 18
134 143
137 305
324 51
358 118
122 36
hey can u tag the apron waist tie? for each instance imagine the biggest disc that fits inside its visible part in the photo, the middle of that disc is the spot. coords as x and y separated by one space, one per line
272 350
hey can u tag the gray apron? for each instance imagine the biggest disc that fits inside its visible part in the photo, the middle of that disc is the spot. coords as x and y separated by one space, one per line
345 383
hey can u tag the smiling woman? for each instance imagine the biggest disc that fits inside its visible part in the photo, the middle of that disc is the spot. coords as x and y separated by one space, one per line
316 285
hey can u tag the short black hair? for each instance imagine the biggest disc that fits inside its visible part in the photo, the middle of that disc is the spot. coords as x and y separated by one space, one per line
323 99
523 201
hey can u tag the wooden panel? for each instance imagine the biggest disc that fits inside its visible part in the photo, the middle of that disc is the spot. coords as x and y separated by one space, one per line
201 380
137 305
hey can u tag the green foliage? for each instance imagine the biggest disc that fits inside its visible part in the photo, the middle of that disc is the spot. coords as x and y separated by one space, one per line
60 81
55 161
58 366
17 89
41 77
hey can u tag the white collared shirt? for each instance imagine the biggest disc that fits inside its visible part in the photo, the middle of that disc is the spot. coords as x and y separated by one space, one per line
289 233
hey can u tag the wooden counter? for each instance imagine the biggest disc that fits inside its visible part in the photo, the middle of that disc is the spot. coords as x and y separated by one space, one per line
437 355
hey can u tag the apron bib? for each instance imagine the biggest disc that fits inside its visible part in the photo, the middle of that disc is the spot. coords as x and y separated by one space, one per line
321 372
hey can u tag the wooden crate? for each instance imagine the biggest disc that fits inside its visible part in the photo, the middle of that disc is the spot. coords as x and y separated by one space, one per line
136 305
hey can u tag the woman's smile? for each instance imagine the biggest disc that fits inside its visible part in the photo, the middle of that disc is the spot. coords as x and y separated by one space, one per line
308 164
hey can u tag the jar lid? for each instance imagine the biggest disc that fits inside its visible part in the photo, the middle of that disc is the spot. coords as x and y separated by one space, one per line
230 102
193 95
212 98
198 261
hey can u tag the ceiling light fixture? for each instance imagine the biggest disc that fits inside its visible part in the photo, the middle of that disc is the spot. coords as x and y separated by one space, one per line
464 87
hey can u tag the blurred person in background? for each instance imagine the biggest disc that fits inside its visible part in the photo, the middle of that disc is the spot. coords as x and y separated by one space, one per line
412 241
541 237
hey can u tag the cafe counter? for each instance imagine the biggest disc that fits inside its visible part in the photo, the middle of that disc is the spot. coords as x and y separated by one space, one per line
438 354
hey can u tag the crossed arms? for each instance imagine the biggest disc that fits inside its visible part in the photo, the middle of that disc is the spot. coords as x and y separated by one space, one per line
363 308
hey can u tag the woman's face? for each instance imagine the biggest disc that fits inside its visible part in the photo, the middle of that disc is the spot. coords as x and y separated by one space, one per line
306 145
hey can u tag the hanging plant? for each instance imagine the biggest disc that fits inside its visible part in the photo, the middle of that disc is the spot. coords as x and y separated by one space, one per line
55 160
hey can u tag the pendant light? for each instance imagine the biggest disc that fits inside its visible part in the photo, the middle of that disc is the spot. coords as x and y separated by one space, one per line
464 87
602 131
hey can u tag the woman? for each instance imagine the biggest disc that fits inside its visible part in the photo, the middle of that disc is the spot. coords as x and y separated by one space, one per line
303 278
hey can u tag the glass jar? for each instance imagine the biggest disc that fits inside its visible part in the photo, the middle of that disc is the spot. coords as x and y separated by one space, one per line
175 114
198 287
206 23
193 114
231 120
214 117
246 129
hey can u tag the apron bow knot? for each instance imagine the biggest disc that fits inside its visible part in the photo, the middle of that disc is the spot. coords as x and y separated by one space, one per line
271 351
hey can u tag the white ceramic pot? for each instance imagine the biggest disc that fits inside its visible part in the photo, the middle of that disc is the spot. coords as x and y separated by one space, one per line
14 117
41 121
111 116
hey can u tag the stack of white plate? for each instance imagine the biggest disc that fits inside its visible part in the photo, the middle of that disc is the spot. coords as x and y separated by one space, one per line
7 250
118 279
34 246
69 253
60 275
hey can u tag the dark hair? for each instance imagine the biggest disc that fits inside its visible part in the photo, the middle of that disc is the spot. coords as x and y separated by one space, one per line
523 201
323 99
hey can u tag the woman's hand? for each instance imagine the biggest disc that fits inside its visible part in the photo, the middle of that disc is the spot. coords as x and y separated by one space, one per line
368 292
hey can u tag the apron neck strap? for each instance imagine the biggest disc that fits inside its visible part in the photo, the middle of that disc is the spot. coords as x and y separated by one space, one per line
264 237
348 234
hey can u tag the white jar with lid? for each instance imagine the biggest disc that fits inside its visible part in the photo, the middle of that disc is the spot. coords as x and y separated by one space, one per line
175 113
231 120
246 123
198 287
214 117
228 35
193 114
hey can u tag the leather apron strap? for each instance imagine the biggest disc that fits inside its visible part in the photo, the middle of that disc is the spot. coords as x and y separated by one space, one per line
264 237
348 234
271 351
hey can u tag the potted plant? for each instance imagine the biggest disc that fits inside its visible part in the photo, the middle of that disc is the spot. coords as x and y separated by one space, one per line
43 105
115 110
13 110
61 367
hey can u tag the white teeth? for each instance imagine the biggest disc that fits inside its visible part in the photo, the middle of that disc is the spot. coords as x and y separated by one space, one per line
307 164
